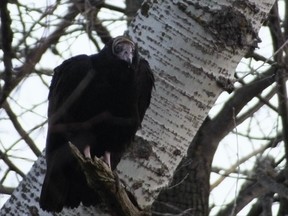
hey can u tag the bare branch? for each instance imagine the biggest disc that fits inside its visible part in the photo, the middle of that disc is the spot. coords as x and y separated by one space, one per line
259 57
113 7
269 181
267 178
36 53
280 58
252 189
6 190
235 104
25 136
102 180
6 41
10 164
234 167
267 201
90 10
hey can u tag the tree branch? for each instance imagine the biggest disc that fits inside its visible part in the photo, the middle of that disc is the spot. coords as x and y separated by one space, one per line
265 175
102 180
233 106
36 53
280 58
233 167
6 41
10 164
25 136
90 10
258 57
6 190
262 101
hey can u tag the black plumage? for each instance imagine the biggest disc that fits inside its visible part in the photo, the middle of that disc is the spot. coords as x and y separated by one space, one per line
96 101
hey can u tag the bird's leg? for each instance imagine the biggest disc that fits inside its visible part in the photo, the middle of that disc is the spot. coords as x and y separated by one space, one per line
106 158
86 152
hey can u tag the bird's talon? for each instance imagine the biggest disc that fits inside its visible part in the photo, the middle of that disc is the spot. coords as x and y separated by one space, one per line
107 159
86 152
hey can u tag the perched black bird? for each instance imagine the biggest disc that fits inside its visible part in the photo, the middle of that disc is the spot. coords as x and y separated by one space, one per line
97 103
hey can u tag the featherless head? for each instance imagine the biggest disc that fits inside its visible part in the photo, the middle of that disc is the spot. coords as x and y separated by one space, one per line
123 48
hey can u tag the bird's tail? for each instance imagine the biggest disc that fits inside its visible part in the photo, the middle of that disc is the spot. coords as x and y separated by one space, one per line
65 183
56 184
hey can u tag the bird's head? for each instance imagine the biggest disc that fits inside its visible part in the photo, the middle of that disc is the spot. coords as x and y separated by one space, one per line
123 48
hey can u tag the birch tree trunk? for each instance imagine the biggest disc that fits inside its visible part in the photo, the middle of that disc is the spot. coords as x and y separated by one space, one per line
193 48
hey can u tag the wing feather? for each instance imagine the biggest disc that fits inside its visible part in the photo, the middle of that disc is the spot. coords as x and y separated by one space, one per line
69 81
70 78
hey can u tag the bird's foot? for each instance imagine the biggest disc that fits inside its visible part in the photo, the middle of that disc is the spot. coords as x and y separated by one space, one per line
106 158
87 152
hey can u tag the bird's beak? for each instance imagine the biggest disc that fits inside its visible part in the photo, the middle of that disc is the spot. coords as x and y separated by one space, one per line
123 48
127 53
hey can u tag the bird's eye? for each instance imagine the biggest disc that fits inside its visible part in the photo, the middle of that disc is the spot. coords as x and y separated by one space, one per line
118 49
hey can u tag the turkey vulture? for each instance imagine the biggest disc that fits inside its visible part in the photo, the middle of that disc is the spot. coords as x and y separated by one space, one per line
96 102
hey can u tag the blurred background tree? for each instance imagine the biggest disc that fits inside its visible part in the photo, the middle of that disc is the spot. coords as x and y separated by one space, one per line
242 145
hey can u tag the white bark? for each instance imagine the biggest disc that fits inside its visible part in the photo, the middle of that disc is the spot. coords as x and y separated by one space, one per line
187 55
187 60
25 199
